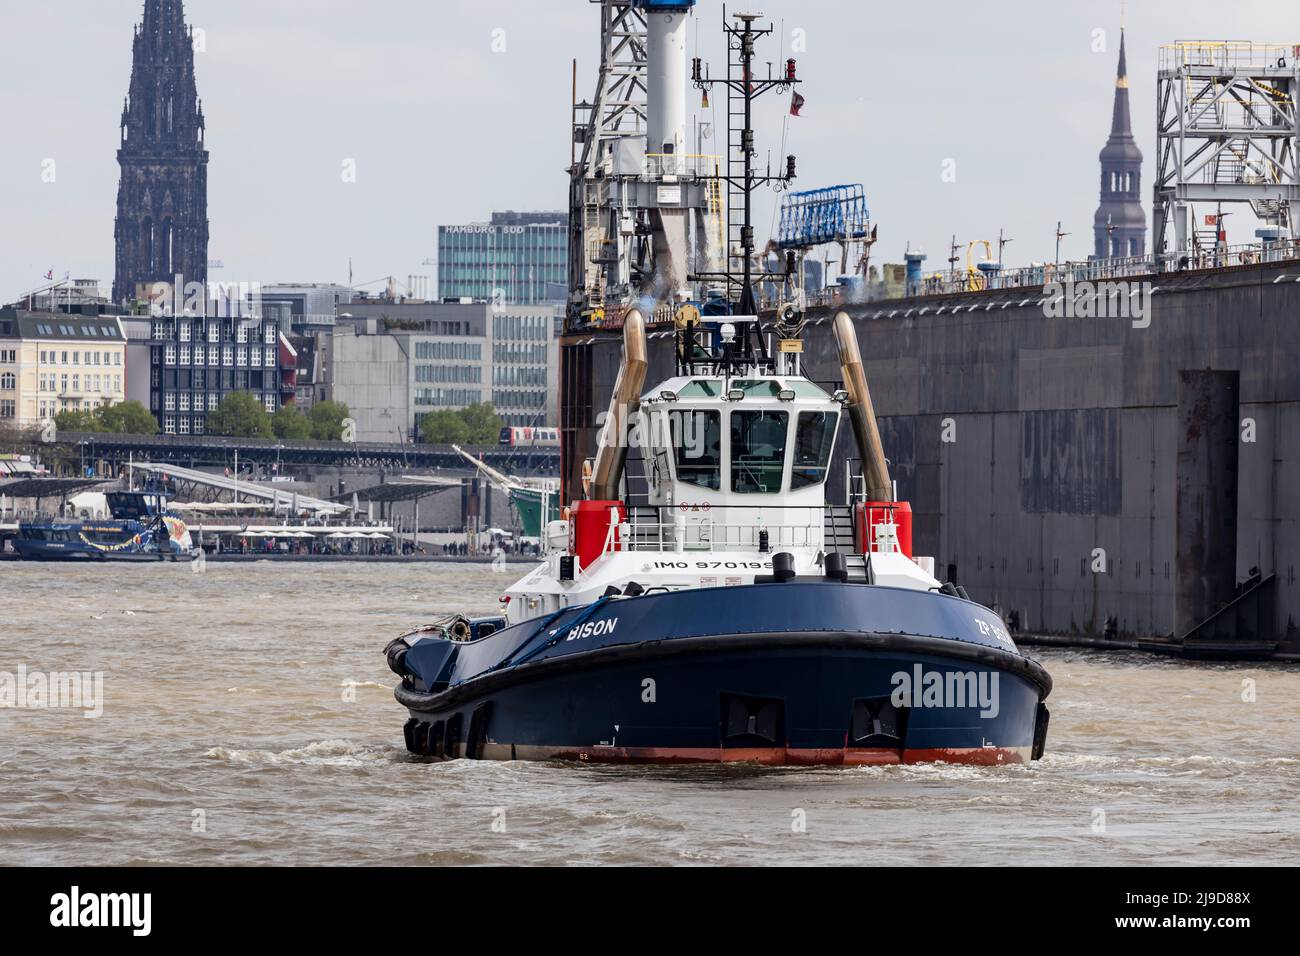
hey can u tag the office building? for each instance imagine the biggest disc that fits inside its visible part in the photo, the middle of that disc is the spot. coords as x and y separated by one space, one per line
392 363
515 259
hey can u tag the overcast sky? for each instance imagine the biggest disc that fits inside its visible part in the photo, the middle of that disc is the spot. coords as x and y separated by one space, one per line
444 130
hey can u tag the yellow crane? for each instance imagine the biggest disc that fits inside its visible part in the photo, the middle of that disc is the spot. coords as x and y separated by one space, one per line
975 279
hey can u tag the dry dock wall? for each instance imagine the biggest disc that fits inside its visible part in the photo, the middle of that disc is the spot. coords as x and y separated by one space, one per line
1040 453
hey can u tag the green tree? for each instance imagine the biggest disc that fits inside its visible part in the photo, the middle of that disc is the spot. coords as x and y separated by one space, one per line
326 420
126 418
444 428
75 420
483 422
288 422
240 415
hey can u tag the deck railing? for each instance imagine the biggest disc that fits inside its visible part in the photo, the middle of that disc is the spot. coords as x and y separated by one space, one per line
1037 277
1226 55
647 530
684 165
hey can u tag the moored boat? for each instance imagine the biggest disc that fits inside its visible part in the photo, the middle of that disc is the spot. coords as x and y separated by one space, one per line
140 528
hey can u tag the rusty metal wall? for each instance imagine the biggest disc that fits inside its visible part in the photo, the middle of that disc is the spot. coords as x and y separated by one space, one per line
1205 528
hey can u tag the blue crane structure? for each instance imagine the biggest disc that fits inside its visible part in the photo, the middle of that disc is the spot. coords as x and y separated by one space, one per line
817 216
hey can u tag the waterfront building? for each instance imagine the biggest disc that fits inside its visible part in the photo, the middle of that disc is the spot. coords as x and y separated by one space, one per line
70 295
310 385
139 359
524 364
312 306
52 362
393 362
518 258
197 360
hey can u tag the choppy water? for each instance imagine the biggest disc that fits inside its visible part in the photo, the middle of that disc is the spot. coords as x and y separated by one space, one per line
227 737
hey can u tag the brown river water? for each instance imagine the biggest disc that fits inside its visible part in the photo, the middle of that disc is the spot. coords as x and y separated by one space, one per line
248 718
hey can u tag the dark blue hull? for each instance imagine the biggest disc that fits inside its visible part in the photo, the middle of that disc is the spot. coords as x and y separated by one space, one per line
756 691
30 550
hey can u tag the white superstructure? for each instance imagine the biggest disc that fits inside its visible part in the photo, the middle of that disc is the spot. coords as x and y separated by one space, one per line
736 468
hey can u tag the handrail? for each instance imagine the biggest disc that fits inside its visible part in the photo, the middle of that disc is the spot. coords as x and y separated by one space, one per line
712 536
689 165
1034 278
1231 54
611 534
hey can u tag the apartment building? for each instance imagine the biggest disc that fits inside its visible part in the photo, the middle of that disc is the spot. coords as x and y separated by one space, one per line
55 361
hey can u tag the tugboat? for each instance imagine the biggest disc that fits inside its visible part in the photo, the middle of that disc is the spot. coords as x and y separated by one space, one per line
727 610
737 615
140 529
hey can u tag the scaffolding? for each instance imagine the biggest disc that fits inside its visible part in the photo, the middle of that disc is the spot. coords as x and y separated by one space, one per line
608 132
817 216
1228 122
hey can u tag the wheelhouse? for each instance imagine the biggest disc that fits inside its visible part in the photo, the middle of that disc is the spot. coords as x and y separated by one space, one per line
740 441
136 505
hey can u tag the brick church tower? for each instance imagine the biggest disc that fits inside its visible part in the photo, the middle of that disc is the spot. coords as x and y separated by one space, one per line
162 200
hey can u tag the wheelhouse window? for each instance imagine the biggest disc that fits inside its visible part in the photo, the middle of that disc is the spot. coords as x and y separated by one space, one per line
758 388
813 441
701 388
758 451
697 447
805 389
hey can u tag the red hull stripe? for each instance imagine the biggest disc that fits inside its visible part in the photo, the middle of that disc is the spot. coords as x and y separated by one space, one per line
770 756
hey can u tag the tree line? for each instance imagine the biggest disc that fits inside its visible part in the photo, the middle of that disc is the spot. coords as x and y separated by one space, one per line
242 415
239 415
476 424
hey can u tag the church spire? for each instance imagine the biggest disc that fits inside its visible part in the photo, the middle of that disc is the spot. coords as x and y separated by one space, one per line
163 104
165 16
1119 226
1121 124
162 224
